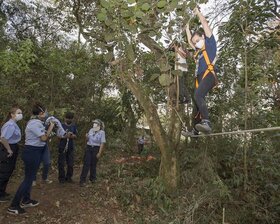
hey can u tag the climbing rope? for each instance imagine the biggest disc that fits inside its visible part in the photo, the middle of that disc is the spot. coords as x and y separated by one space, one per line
238 132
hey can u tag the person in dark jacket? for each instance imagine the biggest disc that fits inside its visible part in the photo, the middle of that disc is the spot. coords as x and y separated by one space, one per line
66 149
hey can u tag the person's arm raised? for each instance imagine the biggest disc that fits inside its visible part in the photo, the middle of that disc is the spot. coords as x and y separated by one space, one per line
204 23
189 35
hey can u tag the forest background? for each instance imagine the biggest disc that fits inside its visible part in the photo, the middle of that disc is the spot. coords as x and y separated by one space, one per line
110 60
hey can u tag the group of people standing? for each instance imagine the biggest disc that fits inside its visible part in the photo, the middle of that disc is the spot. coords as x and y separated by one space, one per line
36 150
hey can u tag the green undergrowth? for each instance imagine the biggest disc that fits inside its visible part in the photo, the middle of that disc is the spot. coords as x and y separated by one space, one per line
213 187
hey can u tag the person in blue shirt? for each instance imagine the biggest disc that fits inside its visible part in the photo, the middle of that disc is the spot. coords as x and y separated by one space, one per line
66 149
12 134
206 49
94 149
36 137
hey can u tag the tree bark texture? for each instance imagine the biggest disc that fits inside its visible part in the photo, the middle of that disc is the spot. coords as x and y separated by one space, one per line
169 168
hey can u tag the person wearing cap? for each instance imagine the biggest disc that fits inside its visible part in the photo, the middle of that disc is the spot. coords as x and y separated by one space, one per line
94 149
10 133
36 137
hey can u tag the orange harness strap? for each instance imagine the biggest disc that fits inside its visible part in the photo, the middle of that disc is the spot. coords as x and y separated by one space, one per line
210 68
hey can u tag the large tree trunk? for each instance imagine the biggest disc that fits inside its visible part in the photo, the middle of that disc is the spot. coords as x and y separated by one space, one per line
169 169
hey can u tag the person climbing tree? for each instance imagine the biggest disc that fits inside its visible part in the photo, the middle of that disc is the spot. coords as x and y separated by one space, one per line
204 43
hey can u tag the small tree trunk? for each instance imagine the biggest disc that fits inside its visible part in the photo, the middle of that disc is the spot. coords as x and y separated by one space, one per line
169 169
131 128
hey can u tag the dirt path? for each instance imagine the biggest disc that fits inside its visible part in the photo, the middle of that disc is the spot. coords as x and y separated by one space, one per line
68 203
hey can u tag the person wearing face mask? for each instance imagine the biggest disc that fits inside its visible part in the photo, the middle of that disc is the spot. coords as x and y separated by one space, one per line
46 158
94 149
205 46
36 137
11 133
66 149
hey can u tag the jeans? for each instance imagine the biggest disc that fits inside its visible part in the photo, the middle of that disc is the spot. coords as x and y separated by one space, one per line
6 169
140 148
67 157
31 156
90 162
200 108
46 163
46 160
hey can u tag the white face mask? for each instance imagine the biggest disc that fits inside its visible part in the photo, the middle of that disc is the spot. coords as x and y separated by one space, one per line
199 44
19 117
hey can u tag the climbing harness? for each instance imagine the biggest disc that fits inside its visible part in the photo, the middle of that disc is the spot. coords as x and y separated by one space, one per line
210 66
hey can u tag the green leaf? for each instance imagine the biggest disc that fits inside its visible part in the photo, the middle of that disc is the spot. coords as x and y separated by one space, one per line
108 57
164 67
192 5
139 14
173 5
154 76
104 11
165 79
109 37
177 72
202 1
126 13
108 22
145 7
152 33
104 4
130 1
161 4
130 52
101 17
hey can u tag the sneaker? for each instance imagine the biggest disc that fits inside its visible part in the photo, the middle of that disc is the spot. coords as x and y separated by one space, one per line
204 127
93 181
191 133
5 198
28 204
6 194
69 181
47 181
61 181
82 184
16 210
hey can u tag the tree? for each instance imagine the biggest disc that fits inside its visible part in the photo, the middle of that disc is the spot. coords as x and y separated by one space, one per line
118 29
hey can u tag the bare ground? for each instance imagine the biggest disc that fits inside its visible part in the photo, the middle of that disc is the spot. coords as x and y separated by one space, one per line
70 203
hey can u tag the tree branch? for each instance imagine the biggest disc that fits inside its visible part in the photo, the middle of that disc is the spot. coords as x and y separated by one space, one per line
151 44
